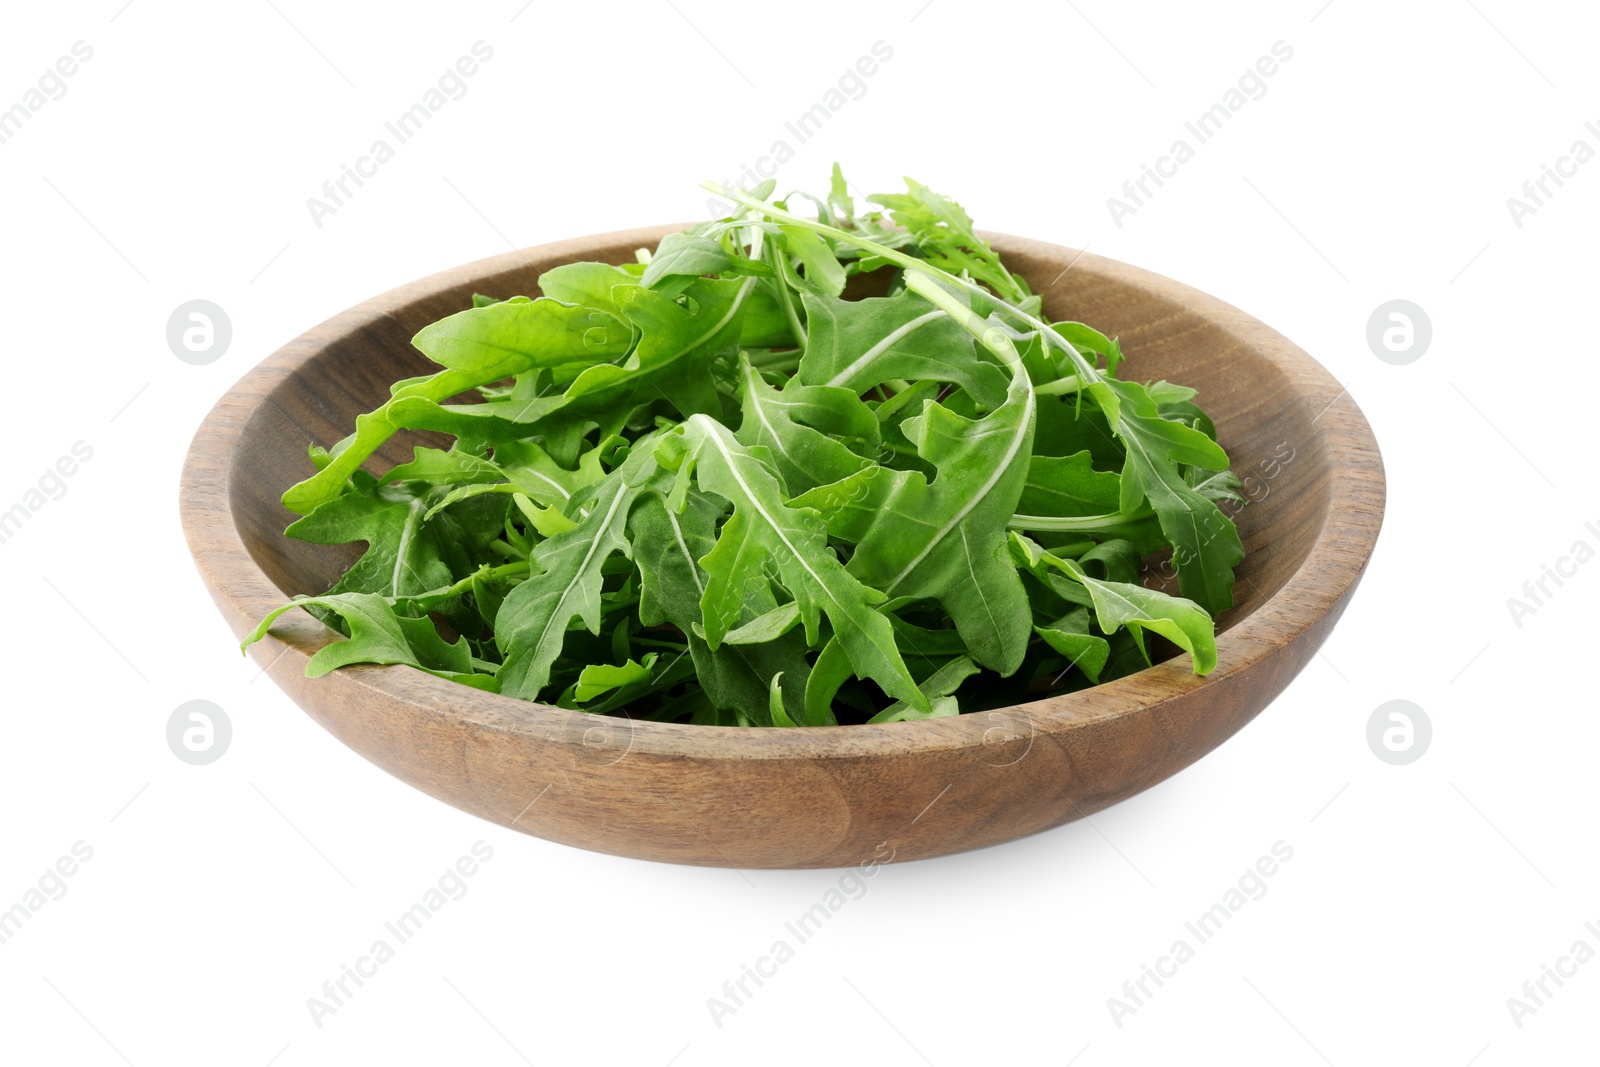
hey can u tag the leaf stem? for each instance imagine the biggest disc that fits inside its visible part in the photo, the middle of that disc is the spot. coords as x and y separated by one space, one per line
1060 387
434 597
1078 523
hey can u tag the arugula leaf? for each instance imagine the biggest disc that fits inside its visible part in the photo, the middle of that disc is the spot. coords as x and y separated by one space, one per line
768 626
378 635
1205 542
1183 622
763 530
775 703
831 671
802 427
946 539
823 274
517 335
1070 636
531 626
736 675
1067 487
598 679
686 253
476 346
860 344
937 687
1119 604
948 238
406 554
589 284
678 339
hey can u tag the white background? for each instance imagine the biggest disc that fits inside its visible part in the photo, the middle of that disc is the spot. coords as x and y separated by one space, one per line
1377 166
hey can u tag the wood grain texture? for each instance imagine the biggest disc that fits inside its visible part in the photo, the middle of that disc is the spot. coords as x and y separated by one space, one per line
822 797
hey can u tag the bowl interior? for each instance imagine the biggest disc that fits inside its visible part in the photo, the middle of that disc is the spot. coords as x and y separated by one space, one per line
1263 421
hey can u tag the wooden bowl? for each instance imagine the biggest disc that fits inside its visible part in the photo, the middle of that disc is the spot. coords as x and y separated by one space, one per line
820 797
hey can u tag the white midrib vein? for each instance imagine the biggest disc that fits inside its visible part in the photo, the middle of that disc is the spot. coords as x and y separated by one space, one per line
1023 427
733 309
594 546
1112 597
966 549
882 346
761 414
406 530
744 487
553 483
683 546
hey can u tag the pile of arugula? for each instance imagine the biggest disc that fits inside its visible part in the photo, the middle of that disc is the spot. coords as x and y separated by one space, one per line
707 487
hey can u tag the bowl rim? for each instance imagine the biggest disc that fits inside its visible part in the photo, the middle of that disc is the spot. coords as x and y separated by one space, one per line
1324 579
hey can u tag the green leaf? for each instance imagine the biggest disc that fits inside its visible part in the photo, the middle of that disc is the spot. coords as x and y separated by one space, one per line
686 253
937 687
589 284
1068 486
947 237
1118 604
406 554
532 470
775 705
839 201
860 344
764 531
1183 622
852 504
802 428
1047 363
1070 636
823 274
444 468
531 626
1118 561
947 540
379 636
678 339
831 670
509 338
922 644
477 346
1205 542
546 521
597 679
678 670
736 676
766 627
